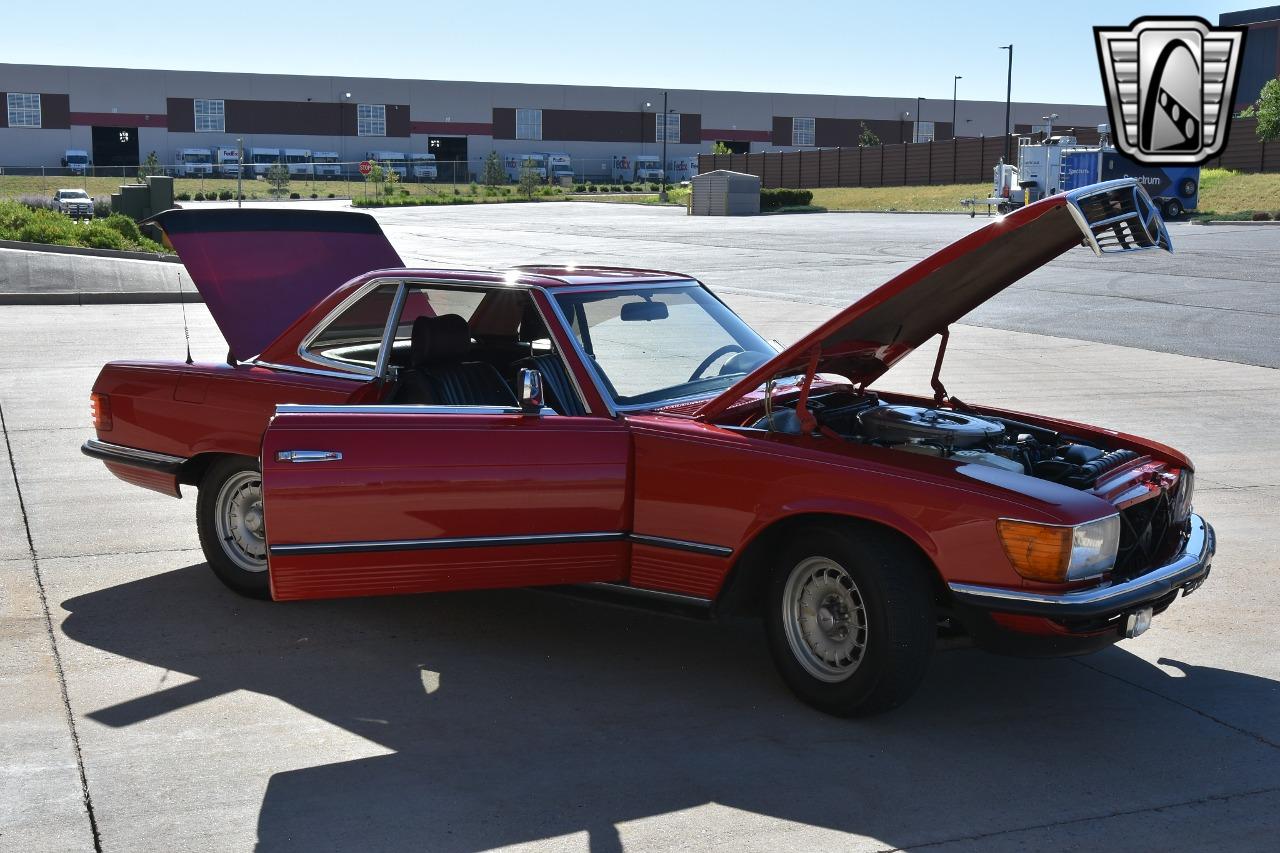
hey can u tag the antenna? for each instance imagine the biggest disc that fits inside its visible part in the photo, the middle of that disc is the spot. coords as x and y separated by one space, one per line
186 331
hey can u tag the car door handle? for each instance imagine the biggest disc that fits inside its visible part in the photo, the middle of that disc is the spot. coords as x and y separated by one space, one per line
308 456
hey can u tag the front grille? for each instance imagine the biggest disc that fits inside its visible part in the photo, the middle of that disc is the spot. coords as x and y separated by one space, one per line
1152 531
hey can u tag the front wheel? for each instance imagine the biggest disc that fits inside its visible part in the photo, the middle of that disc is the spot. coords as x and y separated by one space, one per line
850 619
230 520
1172 209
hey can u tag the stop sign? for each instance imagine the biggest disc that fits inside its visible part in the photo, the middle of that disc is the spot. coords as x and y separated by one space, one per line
365 167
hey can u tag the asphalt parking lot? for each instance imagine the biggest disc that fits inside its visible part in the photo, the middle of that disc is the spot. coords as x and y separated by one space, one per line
148 708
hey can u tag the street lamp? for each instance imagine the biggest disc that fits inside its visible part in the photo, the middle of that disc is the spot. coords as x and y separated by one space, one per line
1008 101
955 87
240 174
666 129
643 108
915 136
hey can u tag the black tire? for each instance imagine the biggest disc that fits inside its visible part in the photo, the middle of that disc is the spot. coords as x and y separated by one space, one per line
895 620
1187 188
231 560
1171 209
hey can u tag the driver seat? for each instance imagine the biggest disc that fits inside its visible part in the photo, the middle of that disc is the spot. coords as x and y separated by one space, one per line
437 374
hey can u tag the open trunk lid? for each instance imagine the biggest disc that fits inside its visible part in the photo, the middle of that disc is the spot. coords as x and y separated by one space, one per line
883 327
260 270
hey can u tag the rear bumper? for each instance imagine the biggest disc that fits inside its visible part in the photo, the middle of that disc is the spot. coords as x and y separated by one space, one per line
1185 572
161 463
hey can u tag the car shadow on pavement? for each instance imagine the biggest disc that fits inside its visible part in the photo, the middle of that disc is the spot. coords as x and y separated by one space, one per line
516 716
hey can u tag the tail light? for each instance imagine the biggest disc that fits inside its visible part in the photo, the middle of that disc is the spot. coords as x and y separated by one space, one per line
100 407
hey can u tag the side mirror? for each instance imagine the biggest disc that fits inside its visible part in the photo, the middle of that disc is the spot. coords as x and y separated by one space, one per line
531 399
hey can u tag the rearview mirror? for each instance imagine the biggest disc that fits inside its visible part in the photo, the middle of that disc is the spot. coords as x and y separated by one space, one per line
531 399
644 311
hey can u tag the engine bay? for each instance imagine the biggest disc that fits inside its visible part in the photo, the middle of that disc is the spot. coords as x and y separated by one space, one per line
953 434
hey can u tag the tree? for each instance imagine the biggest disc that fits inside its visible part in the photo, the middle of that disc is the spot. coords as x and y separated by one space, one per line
392 177
278 177
720 148
530 180
150 166
1267 111
493 174
867 139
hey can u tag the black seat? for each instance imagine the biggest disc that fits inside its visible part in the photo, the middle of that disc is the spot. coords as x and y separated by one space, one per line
556 382
437 374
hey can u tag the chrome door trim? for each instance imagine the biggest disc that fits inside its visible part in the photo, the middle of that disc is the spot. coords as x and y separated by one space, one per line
445 543
681 545
658 594
405 409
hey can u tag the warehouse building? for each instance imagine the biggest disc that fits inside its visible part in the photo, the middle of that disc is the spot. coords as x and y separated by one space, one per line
120 115
1261 60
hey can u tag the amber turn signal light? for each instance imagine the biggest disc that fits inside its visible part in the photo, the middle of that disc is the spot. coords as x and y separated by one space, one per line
100 407
1038 552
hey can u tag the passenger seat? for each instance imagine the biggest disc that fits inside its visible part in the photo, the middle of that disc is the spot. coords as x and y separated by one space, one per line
437 374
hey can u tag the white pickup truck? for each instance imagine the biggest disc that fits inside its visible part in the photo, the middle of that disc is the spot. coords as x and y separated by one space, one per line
74 203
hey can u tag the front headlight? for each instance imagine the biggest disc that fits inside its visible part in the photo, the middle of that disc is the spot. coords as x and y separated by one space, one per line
1055 553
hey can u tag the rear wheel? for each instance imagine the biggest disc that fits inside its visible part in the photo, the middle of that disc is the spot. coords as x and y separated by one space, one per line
230 520
850 619
1172 209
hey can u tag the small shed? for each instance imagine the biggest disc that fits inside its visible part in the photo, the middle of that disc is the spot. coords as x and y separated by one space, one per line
725 193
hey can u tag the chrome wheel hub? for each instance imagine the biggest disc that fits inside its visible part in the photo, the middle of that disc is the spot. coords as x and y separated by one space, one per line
824 618
240 522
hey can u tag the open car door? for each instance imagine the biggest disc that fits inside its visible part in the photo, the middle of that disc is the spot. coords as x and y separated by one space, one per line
380 500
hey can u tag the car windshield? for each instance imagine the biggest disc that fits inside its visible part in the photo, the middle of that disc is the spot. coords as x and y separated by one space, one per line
73 194
650 345
77 158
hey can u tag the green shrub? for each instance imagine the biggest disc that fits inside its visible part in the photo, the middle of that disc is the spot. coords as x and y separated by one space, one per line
96 235
331 195
295 195
45 226
124 226
314 195
13 215
778 198
1261 216
187 197
226 195
578 188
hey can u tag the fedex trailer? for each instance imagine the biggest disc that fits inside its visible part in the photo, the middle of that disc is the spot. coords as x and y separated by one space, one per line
227 160
326 163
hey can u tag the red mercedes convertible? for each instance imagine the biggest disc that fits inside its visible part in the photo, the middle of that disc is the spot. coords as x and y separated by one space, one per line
378 430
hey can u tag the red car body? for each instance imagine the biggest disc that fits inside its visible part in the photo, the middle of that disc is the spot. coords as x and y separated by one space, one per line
684 501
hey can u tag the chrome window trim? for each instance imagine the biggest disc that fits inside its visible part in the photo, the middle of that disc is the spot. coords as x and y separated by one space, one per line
339 309
389 331
446 542
309 371
405 409
657 284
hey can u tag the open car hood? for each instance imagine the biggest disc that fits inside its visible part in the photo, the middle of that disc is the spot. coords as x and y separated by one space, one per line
880 329
260 270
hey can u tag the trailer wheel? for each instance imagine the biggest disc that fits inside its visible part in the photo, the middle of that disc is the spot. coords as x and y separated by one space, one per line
1003 208
1187 188
1172 209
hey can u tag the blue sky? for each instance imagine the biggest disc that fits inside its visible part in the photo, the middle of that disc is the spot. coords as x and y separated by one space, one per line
888 47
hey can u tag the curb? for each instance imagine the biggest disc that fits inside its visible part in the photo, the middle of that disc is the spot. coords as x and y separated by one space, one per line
141 297
1271 222
80 250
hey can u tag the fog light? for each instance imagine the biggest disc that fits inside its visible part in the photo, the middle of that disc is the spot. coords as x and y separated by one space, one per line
1137 622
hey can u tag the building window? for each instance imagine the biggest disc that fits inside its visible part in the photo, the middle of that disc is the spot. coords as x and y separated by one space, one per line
924 131
803 131
371 119
671 128
210 116
528 124
24 110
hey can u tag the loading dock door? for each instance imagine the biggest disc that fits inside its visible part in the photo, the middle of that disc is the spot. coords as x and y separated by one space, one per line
115 151
451 157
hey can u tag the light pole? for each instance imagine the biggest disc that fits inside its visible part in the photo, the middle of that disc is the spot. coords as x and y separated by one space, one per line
1008 101
915 128
643 109
955 87
666 128
240 175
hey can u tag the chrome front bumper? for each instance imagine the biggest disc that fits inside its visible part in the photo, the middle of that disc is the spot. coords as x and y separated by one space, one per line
1186 572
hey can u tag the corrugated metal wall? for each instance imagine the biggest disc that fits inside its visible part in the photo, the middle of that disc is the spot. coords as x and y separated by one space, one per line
952 161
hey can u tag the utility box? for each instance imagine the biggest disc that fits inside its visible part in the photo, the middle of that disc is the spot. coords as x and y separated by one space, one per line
725 193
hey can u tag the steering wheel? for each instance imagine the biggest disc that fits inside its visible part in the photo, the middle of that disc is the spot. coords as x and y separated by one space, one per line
711 359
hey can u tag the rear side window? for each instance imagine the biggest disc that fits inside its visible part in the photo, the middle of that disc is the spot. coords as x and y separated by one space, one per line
353 338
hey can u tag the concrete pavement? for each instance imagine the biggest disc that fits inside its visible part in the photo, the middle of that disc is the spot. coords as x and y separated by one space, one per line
478 720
